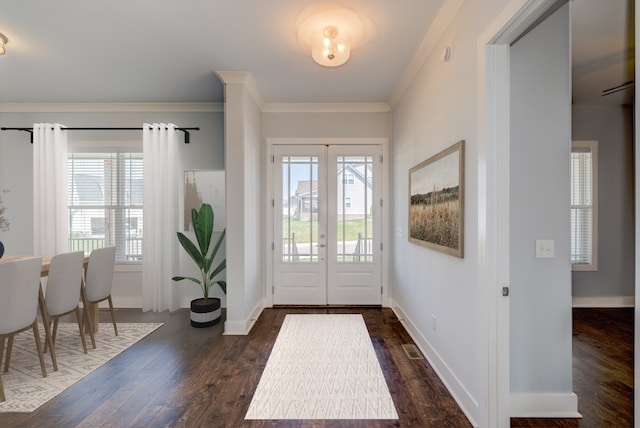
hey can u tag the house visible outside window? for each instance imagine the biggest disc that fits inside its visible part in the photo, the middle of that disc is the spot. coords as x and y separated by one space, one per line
349 178
347 202
584 205
105 203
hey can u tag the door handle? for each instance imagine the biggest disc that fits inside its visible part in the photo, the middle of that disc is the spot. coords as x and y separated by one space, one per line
320 245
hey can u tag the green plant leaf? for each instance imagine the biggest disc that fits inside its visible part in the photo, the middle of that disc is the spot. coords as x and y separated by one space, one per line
180 278
191 249
203 227
223 285
218 243
218 269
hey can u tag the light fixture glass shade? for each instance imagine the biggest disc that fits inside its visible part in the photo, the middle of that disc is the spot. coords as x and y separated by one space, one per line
3 41
330 46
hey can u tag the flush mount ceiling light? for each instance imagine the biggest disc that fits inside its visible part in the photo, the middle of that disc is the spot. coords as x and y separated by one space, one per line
330 34
3 41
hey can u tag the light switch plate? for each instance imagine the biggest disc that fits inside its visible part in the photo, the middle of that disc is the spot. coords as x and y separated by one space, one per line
545 248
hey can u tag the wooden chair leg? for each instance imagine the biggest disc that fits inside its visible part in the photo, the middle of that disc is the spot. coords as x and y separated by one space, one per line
1 349
85 314
7 361
36 335
2 397
113 316
78 318
48 343
54 331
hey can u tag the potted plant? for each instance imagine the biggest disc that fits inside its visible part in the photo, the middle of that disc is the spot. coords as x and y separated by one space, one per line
205 311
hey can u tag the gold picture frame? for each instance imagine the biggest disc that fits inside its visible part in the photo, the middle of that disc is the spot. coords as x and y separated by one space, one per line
436 201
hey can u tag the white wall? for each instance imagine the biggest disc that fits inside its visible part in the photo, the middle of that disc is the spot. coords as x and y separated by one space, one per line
439 108
206 151
614 281
541 357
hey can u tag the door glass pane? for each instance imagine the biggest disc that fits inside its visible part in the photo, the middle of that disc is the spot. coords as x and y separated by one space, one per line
354 209
299 209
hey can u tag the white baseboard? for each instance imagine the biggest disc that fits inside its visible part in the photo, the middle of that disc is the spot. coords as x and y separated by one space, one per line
242 328
457 390
604 302
544 405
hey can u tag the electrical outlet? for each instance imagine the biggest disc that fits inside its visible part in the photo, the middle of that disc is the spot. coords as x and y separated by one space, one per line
434 322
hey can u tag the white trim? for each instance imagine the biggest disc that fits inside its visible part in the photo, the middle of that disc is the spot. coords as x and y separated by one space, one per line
108 107
128 267
455 387
326 108
436 29
493 184
242 328
604 302
386 299
592 145
245 78
327 141
544 405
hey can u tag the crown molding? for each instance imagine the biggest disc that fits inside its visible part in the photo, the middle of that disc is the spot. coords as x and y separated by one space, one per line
108 107
326 108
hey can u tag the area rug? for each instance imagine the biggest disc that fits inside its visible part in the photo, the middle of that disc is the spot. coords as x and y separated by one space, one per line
322 366
24 387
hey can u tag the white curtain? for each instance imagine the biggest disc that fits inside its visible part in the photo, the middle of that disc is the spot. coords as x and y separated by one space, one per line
160 245
50 207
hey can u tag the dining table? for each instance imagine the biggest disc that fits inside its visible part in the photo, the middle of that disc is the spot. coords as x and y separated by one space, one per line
92 309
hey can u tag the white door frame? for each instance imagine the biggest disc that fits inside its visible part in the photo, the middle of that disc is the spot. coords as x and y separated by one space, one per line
493 194
270 203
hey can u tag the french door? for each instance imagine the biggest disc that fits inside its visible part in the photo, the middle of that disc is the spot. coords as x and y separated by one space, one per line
327 225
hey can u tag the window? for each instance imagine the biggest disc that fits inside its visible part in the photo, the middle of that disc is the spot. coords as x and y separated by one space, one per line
347 202
105 203
584 205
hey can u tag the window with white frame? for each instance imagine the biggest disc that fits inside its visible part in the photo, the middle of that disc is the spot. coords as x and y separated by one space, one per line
105 203
584 205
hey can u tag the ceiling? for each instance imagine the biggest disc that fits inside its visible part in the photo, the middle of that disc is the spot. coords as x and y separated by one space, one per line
78 51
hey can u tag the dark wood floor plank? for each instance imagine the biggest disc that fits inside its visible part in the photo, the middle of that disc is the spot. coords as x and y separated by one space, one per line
602 370
180 376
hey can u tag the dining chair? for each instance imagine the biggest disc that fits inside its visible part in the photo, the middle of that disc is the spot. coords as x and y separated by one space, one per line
19 285
99 281
62 296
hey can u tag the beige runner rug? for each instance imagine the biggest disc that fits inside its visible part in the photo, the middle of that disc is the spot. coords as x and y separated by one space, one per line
25 388
322 366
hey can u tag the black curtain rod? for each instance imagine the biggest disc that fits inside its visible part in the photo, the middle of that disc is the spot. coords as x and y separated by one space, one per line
30 130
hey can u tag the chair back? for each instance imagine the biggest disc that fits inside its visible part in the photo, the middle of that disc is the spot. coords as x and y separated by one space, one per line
99 279
19 286
64 283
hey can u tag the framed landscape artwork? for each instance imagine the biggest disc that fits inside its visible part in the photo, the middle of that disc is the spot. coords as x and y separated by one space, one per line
436 201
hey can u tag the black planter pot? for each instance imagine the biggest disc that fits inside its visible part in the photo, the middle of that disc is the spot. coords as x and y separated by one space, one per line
205 313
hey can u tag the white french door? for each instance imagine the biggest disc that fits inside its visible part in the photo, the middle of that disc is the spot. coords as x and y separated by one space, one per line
327 225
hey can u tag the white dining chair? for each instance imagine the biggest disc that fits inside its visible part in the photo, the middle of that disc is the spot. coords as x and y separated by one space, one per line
19 285
99 281
62 296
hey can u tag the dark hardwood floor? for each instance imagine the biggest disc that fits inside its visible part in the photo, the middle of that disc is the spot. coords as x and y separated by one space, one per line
602 370
180 376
